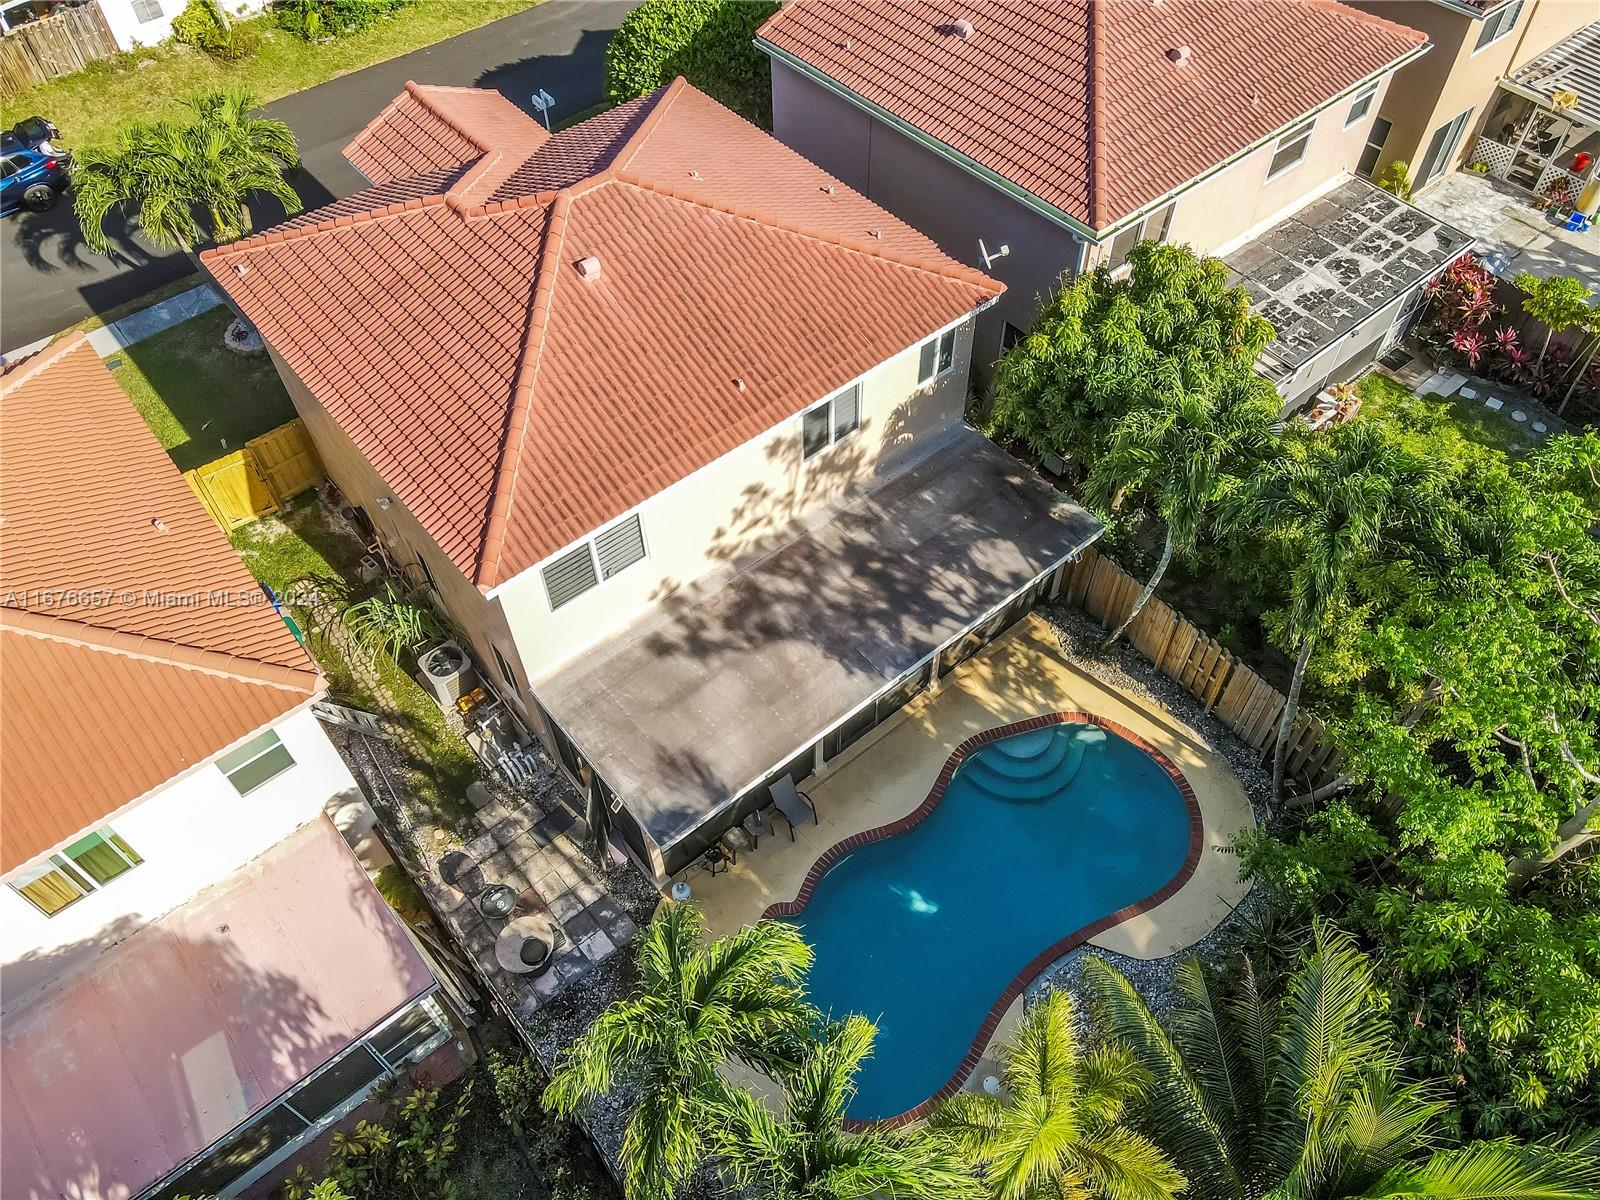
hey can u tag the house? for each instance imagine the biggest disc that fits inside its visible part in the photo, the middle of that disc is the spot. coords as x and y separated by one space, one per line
1491 73
1057 135
136 23
196 976
669 421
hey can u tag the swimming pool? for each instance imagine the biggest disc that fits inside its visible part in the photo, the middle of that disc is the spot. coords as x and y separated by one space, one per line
1041 837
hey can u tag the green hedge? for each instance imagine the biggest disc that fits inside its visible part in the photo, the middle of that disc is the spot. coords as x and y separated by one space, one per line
316 20
708 42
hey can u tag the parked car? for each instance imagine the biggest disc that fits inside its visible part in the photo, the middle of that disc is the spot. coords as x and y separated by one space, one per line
32 179
33 133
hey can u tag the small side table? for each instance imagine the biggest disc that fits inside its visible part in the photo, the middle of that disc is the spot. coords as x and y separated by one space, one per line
755 825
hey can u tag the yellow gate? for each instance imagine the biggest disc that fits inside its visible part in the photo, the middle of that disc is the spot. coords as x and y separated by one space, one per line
270 470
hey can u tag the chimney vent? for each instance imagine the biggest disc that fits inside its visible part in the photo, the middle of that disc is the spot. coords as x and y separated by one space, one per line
829 188
589 268
739 383
241 269
1178 55
962 29
158 525
694 174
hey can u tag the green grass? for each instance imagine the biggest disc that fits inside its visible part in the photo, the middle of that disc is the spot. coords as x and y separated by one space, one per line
201 400
1442 427
303 542
94 105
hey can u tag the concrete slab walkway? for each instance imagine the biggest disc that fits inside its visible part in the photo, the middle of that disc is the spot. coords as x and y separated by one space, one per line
135 327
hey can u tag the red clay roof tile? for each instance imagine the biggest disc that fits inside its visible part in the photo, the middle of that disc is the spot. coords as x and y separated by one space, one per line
514 406
1075 101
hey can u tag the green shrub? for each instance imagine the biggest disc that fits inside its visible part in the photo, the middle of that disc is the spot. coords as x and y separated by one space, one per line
317 20
200 26
400 892
708 42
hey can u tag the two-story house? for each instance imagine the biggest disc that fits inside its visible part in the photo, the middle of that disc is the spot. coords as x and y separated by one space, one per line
1041 139
1491 73
670 421
196 976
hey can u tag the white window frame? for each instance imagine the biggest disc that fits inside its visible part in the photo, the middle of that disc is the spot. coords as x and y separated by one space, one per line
588 543
1141 231
1497 27
949 332
277 743
133 7
1361 100
833 430
1301 133
504 667
68 868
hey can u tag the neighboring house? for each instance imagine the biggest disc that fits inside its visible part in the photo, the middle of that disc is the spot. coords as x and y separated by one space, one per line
146 22
1042 138
1491 72
670 421
197 975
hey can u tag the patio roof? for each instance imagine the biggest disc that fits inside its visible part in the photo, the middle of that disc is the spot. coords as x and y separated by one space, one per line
1326 268
721 684
1572 64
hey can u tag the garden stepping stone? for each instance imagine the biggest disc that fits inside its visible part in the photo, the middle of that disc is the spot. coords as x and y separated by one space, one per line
1469 393
1449 384
1494 404
1519 415
1540 427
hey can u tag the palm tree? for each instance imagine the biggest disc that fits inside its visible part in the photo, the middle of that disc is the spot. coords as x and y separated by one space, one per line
174 174
1058 1131
804 1153
1180 448
1338 501
697 1007
1302 1096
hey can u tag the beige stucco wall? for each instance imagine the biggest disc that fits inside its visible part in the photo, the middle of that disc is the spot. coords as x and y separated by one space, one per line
1454 77
736 506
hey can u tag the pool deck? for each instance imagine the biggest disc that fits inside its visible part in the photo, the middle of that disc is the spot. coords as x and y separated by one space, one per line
889 774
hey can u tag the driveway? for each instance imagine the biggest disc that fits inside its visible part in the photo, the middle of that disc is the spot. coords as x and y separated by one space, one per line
49 279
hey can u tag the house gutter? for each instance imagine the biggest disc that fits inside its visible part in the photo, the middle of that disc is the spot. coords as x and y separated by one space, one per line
1043 207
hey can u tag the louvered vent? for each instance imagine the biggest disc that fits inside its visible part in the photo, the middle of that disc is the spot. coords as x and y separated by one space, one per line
569 576
847 411
620 546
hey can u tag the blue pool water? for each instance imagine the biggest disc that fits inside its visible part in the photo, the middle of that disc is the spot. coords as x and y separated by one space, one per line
1038 835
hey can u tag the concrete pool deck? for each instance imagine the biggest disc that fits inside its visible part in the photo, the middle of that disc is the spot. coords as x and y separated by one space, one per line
888 775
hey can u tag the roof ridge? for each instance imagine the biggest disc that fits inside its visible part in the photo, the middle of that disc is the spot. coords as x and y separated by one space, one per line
503 486
416 90
152 649
1094 167
951 270
1362 17
271 237
636 140
29 367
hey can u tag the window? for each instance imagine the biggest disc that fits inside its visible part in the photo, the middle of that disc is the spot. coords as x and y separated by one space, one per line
1497 24
1441 150
938 355
1010 335
1153 228
1374 147
427 575
611 551
835 419
1291 149
1361 105
504 668
255 762
85 866
147 10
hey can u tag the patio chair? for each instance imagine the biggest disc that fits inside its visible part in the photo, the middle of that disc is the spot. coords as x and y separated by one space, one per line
792 804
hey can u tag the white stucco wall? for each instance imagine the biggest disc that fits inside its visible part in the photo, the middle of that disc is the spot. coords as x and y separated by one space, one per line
130 31
191 833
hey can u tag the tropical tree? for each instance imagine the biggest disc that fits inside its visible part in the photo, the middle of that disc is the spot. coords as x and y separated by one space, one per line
1096 348
1558 302
188 180
1585 359
1302 1096
804 1152
1336 502
697 1007
1181 449
1058 1131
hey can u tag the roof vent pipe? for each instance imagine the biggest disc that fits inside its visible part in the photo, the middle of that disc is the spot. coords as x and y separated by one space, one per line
962 29
1178 55
589 268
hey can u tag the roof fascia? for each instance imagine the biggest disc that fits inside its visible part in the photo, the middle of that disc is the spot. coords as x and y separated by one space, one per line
995 180
1470 11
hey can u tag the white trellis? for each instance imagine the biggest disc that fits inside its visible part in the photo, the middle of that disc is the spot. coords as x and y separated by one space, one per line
1497 156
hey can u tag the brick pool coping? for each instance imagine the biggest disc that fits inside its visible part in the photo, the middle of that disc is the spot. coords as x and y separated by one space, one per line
843 849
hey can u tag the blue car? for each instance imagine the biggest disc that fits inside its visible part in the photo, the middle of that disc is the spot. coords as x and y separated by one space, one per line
32 179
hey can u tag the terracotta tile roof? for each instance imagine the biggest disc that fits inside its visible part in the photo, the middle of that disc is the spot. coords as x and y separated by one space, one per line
1076 101
106 618
512 405
427 129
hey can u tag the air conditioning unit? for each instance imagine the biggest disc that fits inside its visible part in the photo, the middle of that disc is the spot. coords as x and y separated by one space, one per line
448 673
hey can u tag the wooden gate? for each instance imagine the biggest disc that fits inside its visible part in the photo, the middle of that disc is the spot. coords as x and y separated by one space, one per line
66 41
269 472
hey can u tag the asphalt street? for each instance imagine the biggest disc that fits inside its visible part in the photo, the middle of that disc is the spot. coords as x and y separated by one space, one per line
49 279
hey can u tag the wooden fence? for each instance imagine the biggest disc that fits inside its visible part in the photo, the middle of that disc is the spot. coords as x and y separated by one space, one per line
66 41
1185 653
269 472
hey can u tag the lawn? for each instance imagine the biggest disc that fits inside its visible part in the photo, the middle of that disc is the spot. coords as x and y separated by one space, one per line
1443 426
201 401
94 105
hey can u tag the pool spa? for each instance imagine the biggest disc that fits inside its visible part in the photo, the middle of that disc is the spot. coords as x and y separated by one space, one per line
1043 835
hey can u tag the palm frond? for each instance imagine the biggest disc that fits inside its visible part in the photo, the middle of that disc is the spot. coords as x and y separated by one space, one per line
1494 1171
